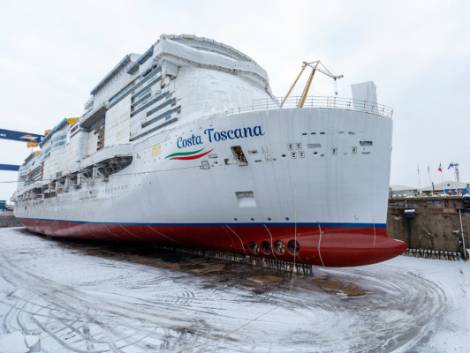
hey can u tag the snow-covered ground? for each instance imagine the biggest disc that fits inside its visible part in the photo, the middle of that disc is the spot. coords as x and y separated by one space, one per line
79 297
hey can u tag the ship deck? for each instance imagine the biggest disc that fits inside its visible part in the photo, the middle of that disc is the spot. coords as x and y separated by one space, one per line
90 297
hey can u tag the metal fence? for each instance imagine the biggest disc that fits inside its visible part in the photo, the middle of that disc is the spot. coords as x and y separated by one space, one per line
315 102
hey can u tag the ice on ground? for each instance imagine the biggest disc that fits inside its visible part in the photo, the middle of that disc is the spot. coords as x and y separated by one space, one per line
16 342
88 297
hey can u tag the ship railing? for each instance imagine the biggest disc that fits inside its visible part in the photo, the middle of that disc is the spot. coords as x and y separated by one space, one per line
333 102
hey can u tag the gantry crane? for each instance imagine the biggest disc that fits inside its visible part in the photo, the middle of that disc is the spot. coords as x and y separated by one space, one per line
29 138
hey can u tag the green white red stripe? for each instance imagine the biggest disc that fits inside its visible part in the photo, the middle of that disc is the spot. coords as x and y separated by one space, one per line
190 155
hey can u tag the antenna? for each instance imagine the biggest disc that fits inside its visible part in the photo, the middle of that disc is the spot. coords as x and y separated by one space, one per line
315 66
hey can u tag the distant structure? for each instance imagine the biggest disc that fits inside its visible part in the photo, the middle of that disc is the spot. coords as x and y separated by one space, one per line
403 191
447 188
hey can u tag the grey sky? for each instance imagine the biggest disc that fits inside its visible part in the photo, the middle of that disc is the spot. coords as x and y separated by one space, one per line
418 52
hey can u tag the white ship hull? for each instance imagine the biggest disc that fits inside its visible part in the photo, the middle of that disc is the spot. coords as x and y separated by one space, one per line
166 151
309 173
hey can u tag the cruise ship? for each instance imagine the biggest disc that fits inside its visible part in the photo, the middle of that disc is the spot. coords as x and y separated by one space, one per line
186 146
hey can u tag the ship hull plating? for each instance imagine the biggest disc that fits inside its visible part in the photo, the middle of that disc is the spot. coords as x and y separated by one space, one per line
323 245
311 186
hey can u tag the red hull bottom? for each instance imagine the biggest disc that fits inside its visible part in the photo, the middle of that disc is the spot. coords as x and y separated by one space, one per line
323 245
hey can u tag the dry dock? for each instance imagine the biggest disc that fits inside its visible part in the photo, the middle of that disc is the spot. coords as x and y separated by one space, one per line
85 297
439 223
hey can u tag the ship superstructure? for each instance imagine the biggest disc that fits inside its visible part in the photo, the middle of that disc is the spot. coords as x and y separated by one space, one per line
185 145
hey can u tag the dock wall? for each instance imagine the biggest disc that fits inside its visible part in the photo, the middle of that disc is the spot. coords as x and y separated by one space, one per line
430 222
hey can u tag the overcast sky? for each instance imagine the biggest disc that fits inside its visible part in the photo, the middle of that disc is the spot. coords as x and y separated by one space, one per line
418 53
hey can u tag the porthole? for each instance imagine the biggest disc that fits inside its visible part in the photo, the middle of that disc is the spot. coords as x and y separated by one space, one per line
287 218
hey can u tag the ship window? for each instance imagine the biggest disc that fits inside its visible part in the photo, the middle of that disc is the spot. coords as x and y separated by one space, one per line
354 149
137 104
334 150
140 94
314 145
365 143
239 155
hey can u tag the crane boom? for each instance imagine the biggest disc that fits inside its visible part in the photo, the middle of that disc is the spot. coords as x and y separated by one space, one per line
19 136
316 65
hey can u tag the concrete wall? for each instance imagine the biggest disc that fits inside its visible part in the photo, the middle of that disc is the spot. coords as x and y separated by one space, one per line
8 220
436 225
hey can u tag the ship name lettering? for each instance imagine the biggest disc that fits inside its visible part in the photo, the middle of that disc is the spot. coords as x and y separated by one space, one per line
188 142
233 134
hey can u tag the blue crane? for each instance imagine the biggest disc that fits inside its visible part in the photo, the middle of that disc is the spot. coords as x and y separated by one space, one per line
17 136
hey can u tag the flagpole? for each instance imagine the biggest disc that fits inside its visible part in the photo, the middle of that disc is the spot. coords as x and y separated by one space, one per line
439 169
430 180
419 181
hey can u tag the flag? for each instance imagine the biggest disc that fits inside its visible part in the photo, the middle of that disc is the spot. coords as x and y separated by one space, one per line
439 169
451 165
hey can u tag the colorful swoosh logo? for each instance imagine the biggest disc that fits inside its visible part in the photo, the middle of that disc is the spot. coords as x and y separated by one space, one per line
187 156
